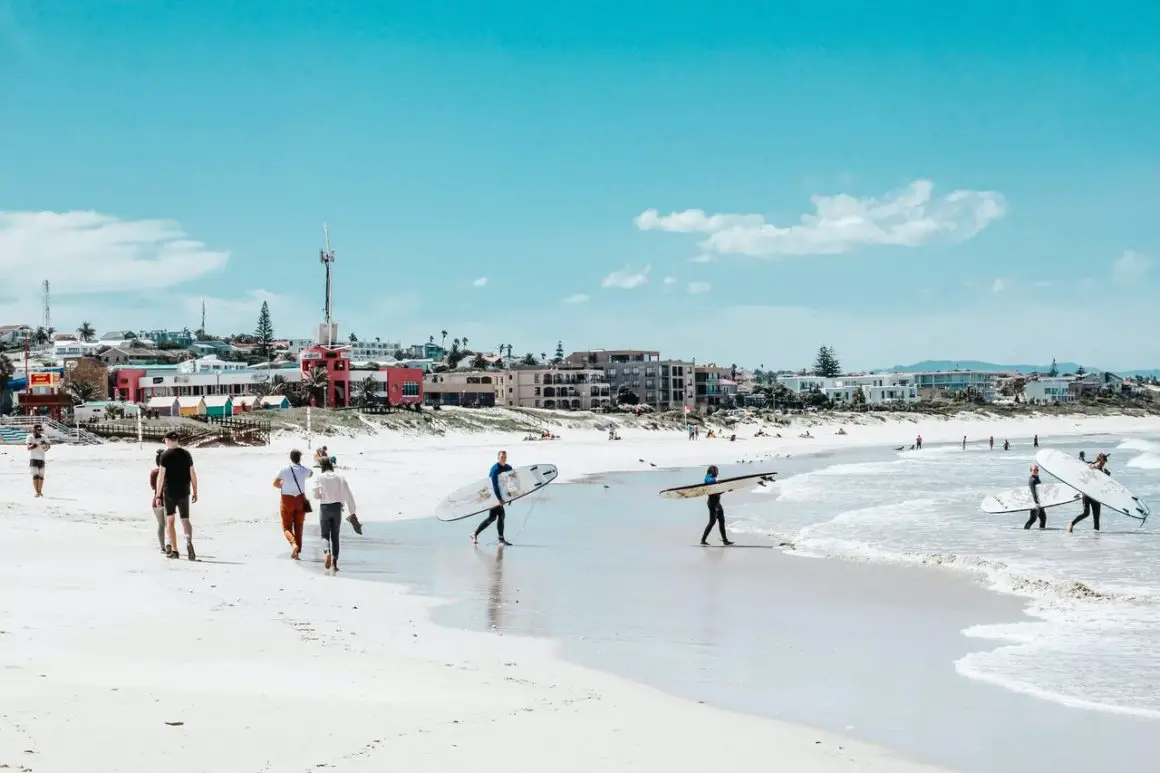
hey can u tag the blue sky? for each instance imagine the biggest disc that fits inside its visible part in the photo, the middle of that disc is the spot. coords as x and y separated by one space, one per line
739 182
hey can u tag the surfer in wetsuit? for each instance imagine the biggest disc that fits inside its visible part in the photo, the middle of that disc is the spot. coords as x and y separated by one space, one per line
716 511
1091 506
1038 512
496 513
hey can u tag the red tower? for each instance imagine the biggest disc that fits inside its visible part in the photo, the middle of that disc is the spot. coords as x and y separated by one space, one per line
336 361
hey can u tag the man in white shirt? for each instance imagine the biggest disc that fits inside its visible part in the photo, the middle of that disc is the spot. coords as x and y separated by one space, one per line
291 481
37 444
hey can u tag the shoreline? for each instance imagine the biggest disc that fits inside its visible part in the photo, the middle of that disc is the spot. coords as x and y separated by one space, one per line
83 560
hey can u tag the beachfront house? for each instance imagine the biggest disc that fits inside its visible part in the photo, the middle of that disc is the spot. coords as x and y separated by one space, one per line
243 403
275 402
163 406
219 406
1048 390
191 405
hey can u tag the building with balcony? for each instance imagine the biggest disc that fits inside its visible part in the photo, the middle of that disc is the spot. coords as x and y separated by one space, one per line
876 388
1048 390
946 383
564 388
469 389
374 351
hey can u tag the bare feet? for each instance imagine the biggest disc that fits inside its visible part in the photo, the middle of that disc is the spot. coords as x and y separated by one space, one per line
329 562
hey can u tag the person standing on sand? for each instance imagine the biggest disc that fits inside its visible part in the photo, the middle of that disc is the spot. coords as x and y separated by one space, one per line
158 510
495 514
37 444
176 481
918 442
1091 506
964 442
291 480
1038 512
716 511
332 492
1035 442
992 442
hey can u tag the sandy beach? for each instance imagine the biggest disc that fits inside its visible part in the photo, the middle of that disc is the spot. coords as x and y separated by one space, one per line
113 658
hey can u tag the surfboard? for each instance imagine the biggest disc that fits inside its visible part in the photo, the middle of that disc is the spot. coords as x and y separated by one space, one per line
1092 483
722 486
1019 500
476 498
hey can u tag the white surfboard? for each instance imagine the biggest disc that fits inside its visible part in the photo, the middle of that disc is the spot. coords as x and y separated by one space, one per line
478 497
1092 483
1019 500
722 486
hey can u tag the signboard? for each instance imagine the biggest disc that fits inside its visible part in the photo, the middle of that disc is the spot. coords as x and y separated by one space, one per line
312 355
43 379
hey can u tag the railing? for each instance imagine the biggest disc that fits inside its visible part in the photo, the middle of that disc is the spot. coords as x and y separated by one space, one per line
53 429
227 430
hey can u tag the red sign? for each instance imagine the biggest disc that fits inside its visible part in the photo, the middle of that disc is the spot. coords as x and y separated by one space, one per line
42 379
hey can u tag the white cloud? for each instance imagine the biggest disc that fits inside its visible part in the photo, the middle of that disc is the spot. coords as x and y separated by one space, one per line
999 285
704 257
696 288
1132 266
575 298
87 252
670 280
910 217
481 282
626 278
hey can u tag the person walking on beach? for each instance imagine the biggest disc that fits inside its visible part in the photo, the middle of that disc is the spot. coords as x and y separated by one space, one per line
37 445
964 442
332 492
1091 506
291 481
1035 442
175 484
158 510
495 514
992 442
1037 512
918 442
716 511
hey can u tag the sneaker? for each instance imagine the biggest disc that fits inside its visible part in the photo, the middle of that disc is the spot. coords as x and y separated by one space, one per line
167 549
726 542
174 554
189 551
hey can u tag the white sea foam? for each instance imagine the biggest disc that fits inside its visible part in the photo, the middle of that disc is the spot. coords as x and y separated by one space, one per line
1095 597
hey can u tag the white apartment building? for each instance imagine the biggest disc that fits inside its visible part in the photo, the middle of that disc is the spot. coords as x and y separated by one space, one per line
233 382
209 364
877 388
1049 390
382 352
574 389
65 349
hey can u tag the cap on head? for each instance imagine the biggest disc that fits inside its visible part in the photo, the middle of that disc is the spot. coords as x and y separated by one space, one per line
172 437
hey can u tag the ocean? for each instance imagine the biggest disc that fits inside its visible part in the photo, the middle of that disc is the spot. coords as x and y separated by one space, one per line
1095 596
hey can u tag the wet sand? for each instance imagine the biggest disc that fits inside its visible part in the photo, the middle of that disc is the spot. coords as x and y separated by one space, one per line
614 574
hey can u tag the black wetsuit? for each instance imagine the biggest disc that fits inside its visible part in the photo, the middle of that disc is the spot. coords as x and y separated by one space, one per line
716 515
1037 512
1091 507
495 515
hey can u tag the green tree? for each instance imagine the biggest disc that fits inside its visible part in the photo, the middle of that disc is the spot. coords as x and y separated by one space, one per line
559 358
1080 371
353 338
86 332
1053 371
529 359
264 334
826 364
367 391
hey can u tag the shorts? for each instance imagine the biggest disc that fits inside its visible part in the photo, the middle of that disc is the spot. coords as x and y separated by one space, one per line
37 467
174 505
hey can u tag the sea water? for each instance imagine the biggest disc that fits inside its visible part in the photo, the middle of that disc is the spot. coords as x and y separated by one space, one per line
1094 636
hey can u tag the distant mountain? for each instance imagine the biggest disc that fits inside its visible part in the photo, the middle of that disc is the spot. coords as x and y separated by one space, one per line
1062 367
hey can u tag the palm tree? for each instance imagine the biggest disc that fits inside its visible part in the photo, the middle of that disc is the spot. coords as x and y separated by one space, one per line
40 336
86 332
444 342
464 342
543 357
509 351
314 384
431 339
367 390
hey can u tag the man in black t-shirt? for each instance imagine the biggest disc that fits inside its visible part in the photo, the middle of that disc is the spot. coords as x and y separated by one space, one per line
176 481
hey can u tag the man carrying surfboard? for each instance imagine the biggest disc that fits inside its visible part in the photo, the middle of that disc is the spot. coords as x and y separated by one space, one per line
495 514
716 511
1038 511
1091 506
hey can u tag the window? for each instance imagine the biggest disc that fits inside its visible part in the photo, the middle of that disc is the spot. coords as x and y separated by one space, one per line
410 389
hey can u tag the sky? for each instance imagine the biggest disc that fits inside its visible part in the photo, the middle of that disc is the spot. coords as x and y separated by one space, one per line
737 182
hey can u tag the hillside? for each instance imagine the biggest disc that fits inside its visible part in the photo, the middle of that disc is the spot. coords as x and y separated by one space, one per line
1062 367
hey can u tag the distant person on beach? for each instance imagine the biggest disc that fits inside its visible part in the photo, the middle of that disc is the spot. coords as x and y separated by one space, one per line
495 514
1035 442
716 511
158 510
918 442
321 455
1091 506
964 442
291 481
1006 445
332 492
1038 512
992 442
37 444
175 484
